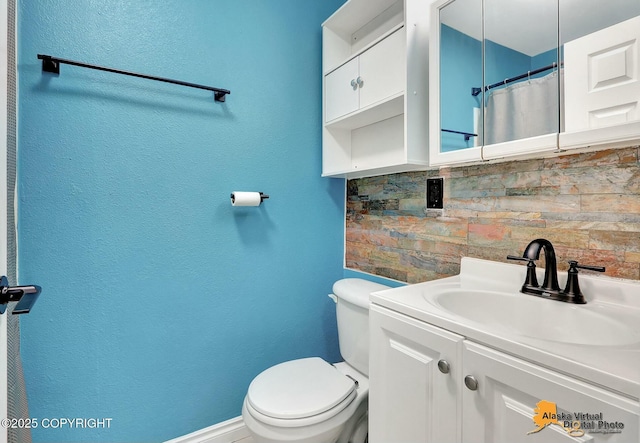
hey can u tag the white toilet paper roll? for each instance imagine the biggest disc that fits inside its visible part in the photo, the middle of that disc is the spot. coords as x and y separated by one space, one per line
239 198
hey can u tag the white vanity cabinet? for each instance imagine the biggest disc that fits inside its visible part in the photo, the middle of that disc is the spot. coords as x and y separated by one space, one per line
486 396
375 88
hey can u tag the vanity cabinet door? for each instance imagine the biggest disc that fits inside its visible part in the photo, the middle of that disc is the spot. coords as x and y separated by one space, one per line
411 398
509 390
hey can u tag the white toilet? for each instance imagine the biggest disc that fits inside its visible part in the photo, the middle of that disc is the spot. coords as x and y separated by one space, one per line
312 401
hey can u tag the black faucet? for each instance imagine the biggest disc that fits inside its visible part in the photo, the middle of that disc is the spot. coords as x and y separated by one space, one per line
550 288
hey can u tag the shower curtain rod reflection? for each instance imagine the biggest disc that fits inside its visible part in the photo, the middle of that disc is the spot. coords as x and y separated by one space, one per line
476 91
52 65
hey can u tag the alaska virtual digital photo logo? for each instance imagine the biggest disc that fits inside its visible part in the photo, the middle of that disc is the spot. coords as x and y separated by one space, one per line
575 424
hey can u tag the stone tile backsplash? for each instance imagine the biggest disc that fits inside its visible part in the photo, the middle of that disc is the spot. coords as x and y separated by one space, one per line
587 205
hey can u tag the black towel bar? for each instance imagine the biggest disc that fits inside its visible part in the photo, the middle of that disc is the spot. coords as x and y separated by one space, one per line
52 65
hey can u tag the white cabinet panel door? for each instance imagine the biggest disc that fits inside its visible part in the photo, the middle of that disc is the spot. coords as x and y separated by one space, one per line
341 97
383 69
410 399
602 87
510 390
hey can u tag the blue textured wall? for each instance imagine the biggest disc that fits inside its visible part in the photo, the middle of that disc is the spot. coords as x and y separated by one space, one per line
161 302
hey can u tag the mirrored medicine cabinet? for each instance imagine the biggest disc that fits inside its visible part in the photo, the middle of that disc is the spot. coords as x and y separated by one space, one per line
515 77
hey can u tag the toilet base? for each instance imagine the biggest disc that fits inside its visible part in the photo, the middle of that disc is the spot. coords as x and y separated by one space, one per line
357 429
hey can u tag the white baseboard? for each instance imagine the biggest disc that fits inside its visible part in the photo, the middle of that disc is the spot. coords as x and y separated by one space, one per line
229 431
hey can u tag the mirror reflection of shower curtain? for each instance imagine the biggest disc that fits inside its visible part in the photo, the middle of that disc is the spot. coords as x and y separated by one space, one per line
521 110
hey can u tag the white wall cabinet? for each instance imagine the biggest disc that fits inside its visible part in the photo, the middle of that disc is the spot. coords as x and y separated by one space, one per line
375 88
412 400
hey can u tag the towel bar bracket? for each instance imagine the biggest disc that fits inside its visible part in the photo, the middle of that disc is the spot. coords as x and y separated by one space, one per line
50 65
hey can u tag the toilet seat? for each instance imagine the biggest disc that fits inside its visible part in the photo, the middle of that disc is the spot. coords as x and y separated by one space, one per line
299 393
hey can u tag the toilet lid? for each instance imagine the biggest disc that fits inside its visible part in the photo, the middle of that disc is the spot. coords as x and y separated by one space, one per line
299 389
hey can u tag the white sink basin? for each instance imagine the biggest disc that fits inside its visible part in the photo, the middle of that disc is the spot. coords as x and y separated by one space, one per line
598 341
536 317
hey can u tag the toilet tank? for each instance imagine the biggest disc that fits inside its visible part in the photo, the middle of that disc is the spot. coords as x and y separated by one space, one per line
352 313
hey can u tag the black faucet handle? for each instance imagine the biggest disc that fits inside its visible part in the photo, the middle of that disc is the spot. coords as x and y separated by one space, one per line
572 290
531 279
575 264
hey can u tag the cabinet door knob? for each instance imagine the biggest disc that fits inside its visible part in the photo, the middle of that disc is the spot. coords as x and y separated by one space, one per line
354 84
444 367
359 81
471 382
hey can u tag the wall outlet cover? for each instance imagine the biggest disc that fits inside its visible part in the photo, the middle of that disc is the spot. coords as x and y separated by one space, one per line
435 187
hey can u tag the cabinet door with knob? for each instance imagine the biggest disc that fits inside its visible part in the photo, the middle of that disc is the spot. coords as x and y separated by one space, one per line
341 96
415 380
506 400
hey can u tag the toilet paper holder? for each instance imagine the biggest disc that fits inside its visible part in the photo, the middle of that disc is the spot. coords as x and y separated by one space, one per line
262 196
